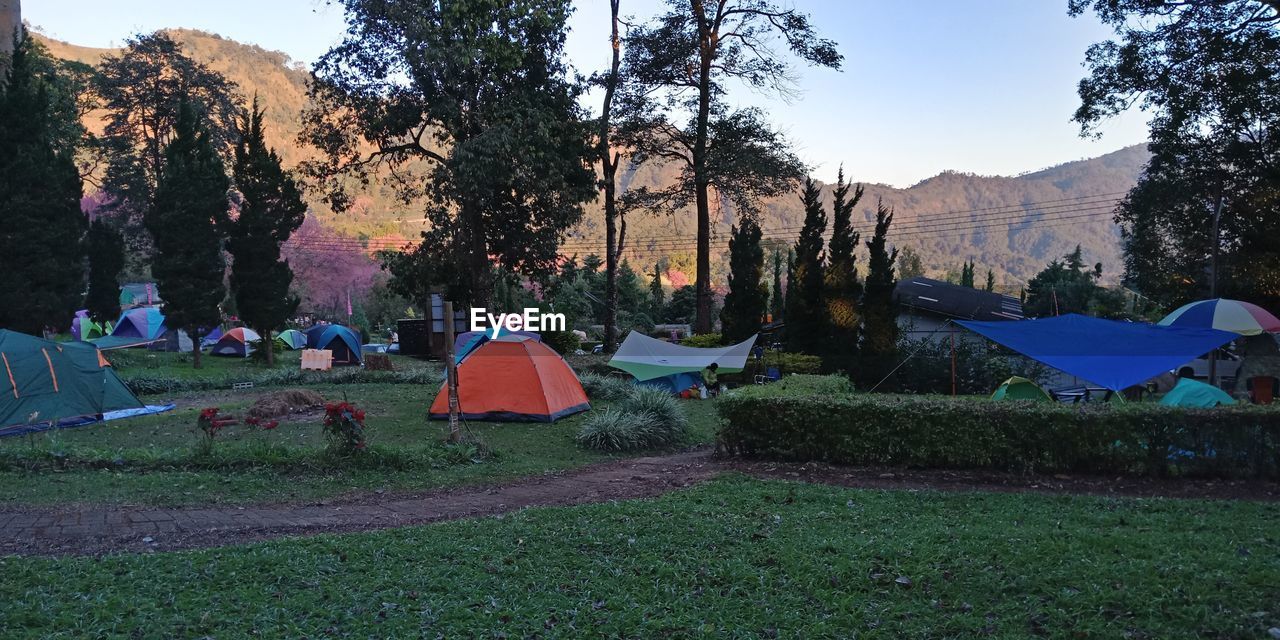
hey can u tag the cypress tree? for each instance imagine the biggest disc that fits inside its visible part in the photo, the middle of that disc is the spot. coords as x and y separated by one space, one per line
776 300
656 299
271 209
745 304
106 261
41 226
879 343
806 304
190 209
991 280
843 287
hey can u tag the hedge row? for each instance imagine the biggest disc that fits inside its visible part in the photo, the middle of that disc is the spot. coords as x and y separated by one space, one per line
153 384
867 429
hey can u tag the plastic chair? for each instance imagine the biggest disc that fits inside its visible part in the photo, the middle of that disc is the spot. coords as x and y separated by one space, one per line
770 375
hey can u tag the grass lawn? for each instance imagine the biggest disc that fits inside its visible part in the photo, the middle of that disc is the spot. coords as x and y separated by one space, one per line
396 415
734 558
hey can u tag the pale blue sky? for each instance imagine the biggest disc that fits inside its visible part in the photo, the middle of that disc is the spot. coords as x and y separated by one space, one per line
983 86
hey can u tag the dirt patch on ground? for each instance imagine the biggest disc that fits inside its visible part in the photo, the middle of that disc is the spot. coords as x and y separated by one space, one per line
283 403
95 531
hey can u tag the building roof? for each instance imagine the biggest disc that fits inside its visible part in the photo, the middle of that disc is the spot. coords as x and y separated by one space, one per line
955 301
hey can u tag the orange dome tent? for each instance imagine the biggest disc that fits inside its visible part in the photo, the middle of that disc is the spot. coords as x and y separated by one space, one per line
514 378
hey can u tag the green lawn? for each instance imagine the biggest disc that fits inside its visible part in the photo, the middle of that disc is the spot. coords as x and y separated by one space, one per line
735 558
396 415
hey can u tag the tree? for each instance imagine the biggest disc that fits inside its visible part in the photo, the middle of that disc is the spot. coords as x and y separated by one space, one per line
106 261
271 209
1208 73
966 274
465 105
41 226
879 344
683 304
656 301
1064 286
991 281
745 304
909 264
140 91
843 287
688 55
190 208
807 323
609 159
776 302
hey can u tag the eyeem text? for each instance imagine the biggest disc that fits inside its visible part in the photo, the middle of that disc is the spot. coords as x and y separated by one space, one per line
532 319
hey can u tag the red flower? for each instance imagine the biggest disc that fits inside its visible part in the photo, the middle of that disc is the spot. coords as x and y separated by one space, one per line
359 416
208 413
270 425
251 421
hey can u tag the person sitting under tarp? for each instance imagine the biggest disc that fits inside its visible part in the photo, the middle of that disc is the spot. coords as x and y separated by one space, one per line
710 381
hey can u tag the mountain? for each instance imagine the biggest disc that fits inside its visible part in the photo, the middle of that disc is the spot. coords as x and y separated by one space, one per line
1013 225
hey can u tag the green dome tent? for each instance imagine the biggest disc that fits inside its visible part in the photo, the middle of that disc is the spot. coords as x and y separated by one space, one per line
1196 395
44 381
1018 388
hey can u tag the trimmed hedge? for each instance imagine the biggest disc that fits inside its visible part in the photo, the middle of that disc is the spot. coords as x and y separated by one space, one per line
869 429
154 384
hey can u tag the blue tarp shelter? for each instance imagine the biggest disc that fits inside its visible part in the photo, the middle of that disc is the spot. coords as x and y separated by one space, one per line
1109 353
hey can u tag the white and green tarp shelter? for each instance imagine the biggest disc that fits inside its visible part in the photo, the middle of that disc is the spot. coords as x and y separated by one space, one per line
676 367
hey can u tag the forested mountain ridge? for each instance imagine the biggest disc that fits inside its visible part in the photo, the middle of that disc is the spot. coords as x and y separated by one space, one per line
1012 225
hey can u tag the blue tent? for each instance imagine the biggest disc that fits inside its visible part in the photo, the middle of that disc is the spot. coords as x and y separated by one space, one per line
1109 353
146 323
674 383
340 340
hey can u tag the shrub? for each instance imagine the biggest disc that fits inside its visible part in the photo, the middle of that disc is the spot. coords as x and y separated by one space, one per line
801 385
562 342
344 429
869 429
153 384
615 430
670 424
605 387
704 340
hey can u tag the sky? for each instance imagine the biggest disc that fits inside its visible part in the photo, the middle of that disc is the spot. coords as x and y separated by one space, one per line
979 86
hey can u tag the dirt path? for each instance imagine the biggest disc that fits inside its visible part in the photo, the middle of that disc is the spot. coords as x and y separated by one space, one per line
134 529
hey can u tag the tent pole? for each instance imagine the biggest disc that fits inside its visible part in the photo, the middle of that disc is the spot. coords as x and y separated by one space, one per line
451 373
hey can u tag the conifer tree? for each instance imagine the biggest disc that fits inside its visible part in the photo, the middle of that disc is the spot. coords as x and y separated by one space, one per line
271 209
41 226
745 304
843 287
776 299
106 261
185 221
656 299
806 303
991 280
879 343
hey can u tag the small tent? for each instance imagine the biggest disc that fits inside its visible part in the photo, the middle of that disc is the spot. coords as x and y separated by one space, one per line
292 339
1019 388
514 378
336 338
236 342
143 323
211 338
45 382
1195 394
675 367
84 328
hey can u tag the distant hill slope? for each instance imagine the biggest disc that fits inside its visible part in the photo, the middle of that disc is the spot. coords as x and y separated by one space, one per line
1013 225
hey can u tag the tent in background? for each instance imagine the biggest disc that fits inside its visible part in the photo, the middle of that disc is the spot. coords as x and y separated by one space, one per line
514 378
144 323
672 366
211 338
138 294
1019 388
236 342
45 382
292 339
84 328
1195 394
340 340
1112 354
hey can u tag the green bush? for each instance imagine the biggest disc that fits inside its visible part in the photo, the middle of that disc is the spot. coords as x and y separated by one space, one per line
671 423
799 385
562 342
605 387
934 432
615 430
704 340
159 384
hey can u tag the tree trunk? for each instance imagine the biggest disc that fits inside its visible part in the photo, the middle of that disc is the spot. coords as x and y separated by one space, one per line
706 49
609 169
269 344
481 280
195 347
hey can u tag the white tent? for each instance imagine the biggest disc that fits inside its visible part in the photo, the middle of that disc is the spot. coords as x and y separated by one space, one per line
649 358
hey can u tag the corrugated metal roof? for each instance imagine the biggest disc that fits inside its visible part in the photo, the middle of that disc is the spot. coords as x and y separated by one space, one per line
954 301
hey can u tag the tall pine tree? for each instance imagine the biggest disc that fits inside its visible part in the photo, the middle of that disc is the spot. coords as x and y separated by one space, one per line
806 302
776 300
991 281
271 209
744 305
843 287
185 221
879 344
657 303
41 226
106 261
